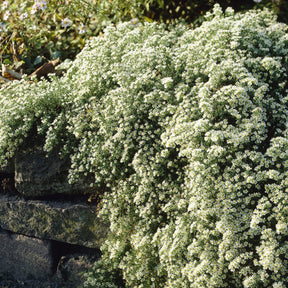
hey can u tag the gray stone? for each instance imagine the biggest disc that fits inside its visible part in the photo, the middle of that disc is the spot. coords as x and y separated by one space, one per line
40 174
66 222
24 257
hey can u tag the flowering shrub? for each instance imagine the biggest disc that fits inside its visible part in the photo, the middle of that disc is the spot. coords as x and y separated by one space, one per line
186 132
103 275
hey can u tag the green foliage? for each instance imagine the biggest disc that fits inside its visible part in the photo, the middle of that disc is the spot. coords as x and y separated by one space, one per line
186 132
194 11
280 7
33 31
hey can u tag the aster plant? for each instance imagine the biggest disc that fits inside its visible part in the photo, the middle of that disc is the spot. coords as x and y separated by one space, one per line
185 132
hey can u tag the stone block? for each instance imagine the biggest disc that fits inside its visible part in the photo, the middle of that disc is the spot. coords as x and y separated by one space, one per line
61 221
39 174
23 257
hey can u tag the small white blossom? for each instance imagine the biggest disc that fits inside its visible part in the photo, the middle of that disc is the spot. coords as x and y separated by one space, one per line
34 9
81 29
6 15
23 16
135 22
5 5
42 5
66 23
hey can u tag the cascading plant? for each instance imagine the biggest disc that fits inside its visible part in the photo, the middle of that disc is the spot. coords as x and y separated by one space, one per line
186 130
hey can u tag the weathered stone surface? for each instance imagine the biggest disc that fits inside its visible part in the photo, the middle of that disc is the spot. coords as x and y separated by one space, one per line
38 174
66 222
24 257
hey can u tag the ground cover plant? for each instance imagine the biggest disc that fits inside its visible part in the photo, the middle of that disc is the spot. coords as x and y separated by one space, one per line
185 131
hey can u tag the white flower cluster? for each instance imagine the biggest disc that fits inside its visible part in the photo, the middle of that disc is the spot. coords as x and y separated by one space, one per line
187 131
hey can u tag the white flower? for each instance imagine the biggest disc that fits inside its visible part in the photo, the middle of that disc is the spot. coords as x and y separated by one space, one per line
6 15
66 23
23 16
81 29
135 22
34 9
42 5
5 5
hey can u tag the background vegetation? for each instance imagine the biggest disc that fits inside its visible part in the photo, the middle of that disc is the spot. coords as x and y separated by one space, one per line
34 31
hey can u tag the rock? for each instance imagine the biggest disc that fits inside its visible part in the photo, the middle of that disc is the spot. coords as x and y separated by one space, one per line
24 257
66 222
63 232
39 174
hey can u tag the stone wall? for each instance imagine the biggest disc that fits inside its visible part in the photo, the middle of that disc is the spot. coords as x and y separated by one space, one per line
49 231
